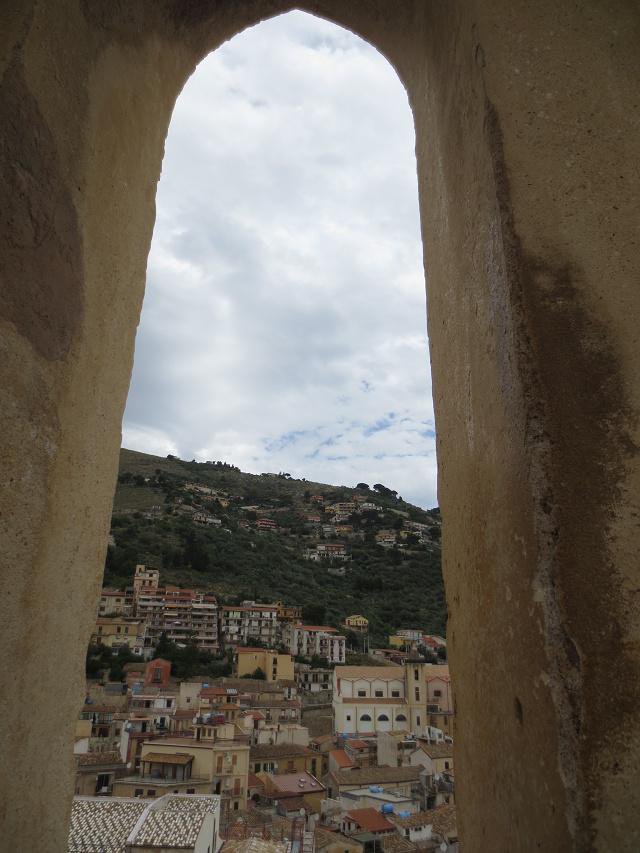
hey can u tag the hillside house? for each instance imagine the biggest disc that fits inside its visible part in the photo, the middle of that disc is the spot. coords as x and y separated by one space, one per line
205 518
320 640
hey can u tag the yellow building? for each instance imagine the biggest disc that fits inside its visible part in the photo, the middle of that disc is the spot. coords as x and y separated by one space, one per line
275 666
357 623
114 631
284 758
209 762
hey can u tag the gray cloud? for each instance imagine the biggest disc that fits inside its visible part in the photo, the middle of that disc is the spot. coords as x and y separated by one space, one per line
284 321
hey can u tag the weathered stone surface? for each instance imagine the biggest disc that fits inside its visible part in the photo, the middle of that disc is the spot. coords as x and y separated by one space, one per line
526 138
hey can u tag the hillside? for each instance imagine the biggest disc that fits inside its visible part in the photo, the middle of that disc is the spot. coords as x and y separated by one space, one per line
224 550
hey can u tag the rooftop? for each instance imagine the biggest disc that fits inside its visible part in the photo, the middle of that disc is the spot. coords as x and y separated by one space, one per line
341 758
436 750
254 845
295 784
396 844
386 673
90 759
444 819
167 758
413 820
369 820
376 775
279 750
114 824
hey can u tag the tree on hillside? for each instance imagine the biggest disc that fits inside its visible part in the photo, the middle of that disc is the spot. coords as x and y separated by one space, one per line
196 554
363 486
314 614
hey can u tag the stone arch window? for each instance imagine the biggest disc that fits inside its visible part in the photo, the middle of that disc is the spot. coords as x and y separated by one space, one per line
383 718
365 718
401 718
524 325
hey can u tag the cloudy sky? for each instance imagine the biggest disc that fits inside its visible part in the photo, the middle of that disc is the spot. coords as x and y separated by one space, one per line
284 321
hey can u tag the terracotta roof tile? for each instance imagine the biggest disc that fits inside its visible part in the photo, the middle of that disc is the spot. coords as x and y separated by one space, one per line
369 820
341 758
376 775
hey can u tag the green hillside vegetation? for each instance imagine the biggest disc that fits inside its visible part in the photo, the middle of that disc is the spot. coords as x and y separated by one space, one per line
394 587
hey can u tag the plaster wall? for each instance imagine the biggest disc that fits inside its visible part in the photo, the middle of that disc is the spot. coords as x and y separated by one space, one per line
526 141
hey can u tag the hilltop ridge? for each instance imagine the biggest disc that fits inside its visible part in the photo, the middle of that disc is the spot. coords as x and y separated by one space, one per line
335 550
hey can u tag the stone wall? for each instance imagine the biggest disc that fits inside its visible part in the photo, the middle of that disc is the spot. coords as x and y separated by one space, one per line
526 140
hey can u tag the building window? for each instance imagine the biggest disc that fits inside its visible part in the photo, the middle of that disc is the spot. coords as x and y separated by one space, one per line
416 674
151 792
138 792
401 718
418 720
365 718
395 694
417 694
437 692
191 790
348 718
362 692
446 765
382 718
379 694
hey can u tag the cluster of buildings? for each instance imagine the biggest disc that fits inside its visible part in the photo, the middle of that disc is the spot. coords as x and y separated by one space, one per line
138 616
234 762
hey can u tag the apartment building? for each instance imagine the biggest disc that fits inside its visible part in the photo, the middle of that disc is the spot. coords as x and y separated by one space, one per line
112 602
249 621
144 580
119 631
182 614
315 640
313 679
275 666
212 760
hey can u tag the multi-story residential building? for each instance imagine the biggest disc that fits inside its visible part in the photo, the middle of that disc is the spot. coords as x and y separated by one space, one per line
345 507
389 698
119 631
288 612
284 758
313 679
112 602
266 524
144 580
249 621
315 640
182 614
275 666
96 772
212 760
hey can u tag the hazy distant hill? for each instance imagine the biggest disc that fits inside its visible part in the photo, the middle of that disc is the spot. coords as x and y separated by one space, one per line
152 523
